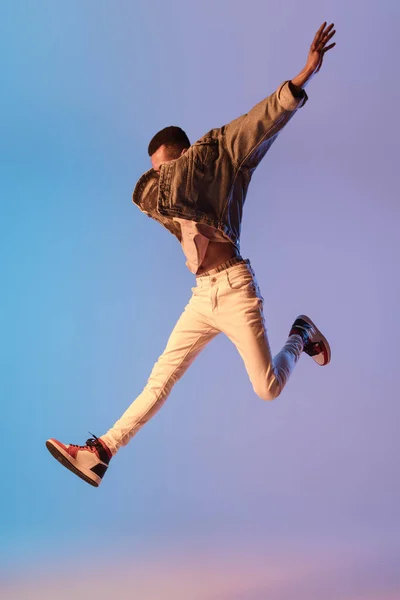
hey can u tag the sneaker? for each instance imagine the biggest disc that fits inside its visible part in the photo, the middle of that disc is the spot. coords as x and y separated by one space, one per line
89 462
315 344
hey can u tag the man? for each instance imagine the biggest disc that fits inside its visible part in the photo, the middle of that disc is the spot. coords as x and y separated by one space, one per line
197 192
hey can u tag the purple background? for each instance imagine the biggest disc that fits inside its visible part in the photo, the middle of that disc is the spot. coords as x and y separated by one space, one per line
221 496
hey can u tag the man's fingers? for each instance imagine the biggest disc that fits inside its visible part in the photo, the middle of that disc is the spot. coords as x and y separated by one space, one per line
329 48
329 36
325 40
322 35
328 29
320 30
318 35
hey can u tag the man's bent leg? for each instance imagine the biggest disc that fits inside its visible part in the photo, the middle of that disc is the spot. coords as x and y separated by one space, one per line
191 333
240 317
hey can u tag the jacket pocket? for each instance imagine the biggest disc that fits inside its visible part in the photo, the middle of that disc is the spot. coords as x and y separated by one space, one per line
200 183
205 153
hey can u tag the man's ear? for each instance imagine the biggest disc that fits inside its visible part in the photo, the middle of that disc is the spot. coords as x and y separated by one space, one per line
183 151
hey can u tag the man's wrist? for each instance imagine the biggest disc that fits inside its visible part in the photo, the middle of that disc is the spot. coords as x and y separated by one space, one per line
302 79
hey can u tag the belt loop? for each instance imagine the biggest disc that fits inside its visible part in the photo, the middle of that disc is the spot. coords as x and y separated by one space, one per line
229 263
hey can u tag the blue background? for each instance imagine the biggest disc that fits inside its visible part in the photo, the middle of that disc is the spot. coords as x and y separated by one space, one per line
221 496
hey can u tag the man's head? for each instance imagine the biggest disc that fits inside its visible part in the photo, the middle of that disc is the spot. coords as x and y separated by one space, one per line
168 144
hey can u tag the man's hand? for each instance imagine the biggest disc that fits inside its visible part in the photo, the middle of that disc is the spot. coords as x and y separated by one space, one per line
319 47
316 55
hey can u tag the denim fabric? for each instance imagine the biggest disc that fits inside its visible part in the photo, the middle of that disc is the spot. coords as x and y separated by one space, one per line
208 184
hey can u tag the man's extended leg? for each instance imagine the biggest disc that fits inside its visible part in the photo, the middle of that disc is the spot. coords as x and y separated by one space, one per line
192 332
239 314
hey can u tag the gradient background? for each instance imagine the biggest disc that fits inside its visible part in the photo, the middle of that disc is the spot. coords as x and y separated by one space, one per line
221 496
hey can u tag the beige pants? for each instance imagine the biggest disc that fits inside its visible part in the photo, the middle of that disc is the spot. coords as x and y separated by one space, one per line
228 301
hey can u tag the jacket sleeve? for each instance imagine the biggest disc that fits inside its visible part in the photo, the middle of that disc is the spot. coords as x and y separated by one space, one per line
248 138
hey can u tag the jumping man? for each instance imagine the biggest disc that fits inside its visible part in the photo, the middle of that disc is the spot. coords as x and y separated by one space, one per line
197 192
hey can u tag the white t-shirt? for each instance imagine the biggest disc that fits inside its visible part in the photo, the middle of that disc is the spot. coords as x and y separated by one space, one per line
195 240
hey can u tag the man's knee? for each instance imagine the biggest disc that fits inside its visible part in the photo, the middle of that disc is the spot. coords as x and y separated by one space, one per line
268 390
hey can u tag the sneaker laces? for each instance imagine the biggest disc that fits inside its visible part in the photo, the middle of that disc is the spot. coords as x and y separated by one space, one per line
92 443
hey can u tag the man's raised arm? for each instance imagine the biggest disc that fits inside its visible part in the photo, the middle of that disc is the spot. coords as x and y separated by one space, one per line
249 137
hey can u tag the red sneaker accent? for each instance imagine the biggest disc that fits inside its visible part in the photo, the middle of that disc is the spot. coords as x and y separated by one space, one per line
89 462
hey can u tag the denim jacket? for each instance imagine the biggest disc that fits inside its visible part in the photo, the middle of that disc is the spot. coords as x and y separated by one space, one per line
208 183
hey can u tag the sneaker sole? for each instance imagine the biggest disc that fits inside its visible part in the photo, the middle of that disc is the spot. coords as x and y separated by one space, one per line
68 463
321 338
